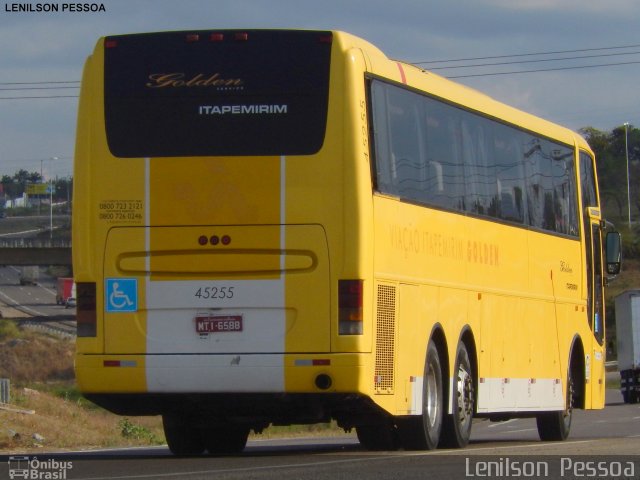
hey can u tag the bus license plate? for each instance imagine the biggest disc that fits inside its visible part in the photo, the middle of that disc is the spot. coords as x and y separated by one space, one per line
206 324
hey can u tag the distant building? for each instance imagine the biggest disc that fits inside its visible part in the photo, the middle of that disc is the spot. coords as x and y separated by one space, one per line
17 202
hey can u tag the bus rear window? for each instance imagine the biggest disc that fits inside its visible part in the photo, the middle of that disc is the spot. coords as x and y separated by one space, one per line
216 93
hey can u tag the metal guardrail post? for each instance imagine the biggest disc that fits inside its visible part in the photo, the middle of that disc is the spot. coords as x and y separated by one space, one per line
5 390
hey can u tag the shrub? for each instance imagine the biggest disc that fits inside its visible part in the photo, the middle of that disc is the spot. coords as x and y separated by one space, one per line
9 329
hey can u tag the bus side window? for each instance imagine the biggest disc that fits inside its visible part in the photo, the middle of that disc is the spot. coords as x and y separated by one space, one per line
436 182
405 133
384 164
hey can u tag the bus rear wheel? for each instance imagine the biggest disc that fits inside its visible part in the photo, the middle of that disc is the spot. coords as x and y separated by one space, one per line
423 432
225 440
379 436
457 426
182 438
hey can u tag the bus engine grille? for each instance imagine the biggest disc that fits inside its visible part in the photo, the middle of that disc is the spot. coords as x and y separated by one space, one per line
385 339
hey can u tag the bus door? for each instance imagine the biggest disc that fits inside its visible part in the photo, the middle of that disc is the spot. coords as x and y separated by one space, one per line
595 356
592 220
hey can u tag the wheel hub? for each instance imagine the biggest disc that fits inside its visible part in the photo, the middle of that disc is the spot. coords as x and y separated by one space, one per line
465 395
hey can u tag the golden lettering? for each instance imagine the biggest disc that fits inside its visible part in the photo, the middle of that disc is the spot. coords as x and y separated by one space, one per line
483 253
411 240
179 80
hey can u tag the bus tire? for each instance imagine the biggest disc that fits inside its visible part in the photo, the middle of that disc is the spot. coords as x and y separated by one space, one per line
378 437
625 396
423 432
555 426
183 439
225 440
457 426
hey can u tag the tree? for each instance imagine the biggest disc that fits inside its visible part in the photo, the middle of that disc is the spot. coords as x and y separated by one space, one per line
611 151
16 185
22 177
63 189
9 186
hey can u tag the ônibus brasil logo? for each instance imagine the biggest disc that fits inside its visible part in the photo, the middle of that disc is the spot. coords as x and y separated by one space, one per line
32 468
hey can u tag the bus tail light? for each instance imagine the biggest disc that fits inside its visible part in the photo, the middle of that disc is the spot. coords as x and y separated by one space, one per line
86 309
350 307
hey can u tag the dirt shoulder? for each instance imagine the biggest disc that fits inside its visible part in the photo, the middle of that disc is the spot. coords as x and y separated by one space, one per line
46 410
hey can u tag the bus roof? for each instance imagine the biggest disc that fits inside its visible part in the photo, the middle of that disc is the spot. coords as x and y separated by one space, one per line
430 83
460 94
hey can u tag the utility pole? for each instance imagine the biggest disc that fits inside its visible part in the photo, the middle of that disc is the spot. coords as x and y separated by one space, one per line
626 149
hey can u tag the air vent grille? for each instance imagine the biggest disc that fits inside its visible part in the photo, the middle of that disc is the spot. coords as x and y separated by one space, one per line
385 339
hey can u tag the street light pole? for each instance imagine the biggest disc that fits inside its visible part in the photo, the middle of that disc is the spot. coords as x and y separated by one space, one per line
626 148
51 198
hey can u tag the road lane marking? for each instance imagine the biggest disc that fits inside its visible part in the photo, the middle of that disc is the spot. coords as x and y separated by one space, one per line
248 469
521 430
15 304
366 458
506 422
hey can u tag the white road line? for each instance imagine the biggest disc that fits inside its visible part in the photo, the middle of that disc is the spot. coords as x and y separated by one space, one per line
387 456
14 303
500 424
19 233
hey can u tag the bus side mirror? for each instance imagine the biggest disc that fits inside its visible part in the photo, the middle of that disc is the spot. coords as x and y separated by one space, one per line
614 253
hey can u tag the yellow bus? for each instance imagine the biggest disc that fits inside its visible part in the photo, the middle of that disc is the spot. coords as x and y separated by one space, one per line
286 227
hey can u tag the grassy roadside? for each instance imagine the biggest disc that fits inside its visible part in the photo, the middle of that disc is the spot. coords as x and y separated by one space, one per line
46 409
42 419
628 279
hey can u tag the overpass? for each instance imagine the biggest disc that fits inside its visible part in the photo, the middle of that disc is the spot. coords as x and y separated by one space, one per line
33 251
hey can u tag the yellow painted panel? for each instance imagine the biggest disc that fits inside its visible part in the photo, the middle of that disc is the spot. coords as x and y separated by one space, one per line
345 371
416 315
215 191
92 376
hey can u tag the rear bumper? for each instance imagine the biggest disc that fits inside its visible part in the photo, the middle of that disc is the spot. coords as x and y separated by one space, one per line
223 374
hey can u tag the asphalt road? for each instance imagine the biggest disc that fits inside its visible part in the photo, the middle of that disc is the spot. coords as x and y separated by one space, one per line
607 441
30 226
35 305
33 300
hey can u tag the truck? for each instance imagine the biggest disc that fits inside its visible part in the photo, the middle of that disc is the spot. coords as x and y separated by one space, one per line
64 287
29 275
71 301
628 338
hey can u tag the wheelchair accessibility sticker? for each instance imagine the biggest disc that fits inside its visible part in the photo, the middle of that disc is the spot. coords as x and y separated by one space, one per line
121 295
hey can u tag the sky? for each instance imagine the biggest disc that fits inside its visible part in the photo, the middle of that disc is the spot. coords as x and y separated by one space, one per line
38 134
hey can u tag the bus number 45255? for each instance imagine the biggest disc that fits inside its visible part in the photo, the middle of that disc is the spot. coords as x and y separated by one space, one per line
219 293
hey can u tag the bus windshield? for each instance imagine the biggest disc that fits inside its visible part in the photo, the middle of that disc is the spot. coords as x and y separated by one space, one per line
210 93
